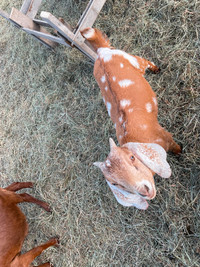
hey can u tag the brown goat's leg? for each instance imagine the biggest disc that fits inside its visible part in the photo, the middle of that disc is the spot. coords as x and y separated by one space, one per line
24 197
28 257
18 185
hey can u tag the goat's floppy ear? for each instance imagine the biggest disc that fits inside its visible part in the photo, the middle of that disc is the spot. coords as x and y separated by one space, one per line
153 156
127 199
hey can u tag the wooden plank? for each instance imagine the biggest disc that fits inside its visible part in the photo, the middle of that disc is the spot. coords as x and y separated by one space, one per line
25 6
4 14
57 25
47 36
33 9
84 13
30 7
88 19
41 23
68 34
26 22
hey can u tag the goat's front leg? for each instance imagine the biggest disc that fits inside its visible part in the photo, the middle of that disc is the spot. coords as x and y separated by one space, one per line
26 259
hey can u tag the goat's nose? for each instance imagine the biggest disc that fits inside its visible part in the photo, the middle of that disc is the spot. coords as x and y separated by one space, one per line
148 192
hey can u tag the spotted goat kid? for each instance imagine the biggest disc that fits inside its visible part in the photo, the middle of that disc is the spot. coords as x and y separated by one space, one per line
14 228
132 106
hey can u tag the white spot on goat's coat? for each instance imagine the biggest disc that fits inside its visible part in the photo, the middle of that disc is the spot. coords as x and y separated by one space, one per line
125 102
89 33
143 126
148 107
130 110
107 53
103 79
109 106
155 100
121 65
106 88
108 163
125 83
114 78
121 118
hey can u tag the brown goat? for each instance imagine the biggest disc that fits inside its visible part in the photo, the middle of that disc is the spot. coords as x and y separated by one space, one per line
14 228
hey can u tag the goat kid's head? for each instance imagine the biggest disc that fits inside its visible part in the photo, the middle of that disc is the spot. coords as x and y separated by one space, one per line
129 172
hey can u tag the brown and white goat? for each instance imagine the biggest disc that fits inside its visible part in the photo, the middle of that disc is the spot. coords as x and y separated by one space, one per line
132 106
14 228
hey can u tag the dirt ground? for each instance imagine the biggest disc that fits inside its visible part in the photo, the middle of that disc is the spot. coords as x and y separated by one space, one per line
54 125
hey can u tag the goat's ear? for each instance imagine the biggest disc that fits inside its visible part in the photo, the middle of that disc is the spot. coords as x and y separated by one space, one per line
153 156
112 144
127 199
100 165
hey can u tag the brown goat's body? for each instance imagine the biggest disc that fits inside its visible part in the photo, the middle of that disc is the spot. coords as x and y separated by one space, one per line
14 228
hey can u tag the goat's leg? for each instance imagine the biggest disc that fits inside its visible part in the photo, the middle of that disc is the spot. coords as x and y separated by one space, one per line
28 257
18 185
151 66
145 64
24 197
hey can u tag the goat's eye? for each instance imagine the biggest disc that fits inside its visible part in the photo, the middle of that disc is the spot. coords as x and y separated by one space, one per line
132 158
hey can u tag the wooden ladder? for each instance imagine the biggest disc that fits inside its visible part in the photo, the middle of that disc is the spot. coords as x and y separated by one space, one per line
25 20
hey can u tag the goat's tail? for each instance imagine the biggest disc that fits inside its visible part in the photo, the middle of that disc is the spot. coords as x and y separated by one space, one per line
96 38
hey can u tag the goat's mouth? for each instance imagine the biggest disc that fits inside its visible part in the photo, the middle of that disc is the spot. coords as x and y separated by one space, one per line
144 196
147 196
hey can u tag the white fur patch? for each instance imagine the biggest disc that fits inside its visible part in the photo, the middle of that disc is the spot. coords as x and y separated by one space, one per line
148 107
121 118
114 78
109 106
125 83
89 34
128 199
108 163
106 88
155 101
103 79
143 126
130 110
125 102
121 65
106 55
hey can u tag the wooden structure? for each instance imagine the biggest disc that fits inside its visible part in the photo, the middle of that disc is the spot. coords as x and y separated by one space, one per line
65 35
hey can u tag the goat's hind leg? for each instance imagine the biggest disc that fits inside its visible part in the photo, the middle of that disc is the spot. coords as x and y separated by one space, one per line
19 185
145 64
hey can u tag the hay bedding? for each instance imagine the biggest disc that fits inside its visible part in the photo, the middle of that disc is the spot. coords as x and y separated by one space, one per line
54 126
